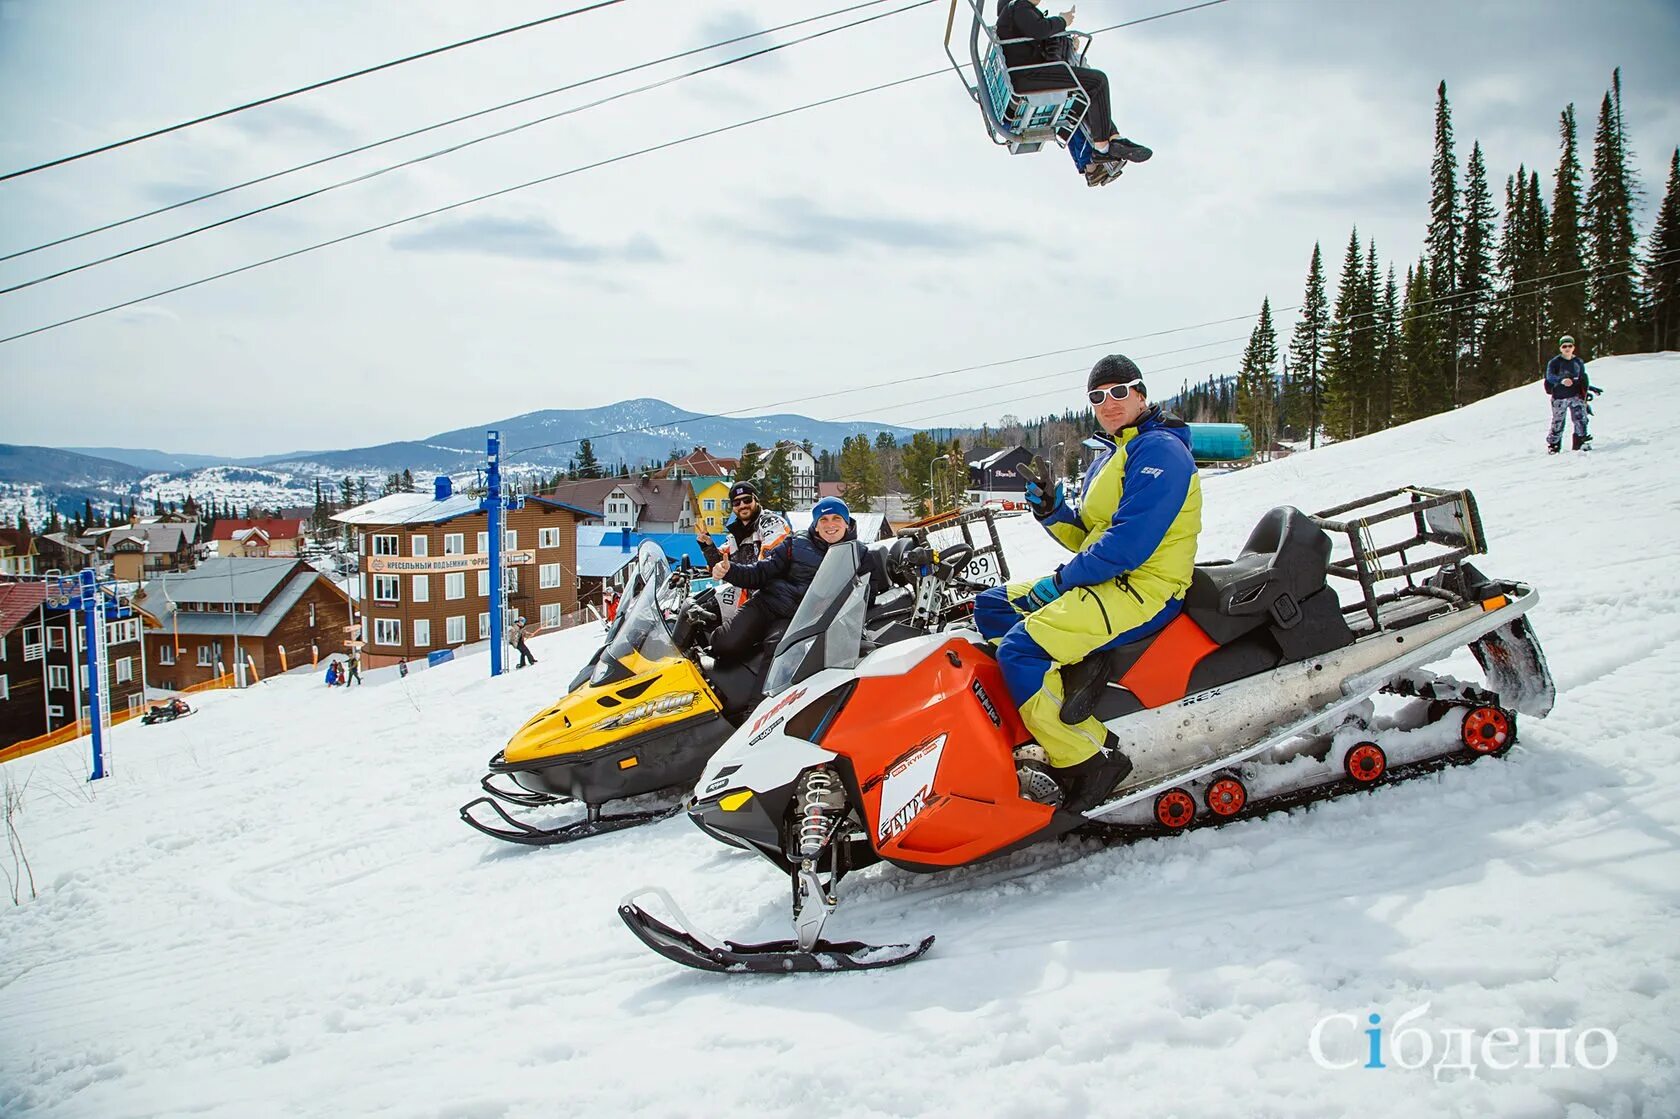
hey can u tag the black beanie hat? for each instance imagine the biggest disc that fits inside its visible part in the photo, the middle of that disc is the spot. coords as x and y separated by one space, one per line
1115 369
743 489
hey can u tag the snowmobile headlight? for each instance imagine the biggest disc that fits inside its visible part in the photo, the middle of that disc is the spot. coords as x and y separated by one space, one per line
664 705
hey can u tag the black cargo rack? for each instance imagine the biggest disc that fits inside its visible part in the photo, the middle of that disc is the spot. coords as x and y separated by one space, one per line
1445 526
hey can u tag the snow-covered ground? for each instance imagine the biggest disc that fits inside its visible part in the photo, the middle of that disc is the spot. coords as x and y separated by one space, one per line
272 909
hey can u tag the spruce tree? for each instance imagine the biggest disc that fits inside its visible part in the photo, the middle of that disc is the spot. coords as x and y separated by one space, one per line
587 466
1344 387
1368 347
1443 241
1539 253
1566 302
751 464
1476 279
1302 406
1256 386
1612 245
1662 266
860 473
775 489
1388 364
1418 347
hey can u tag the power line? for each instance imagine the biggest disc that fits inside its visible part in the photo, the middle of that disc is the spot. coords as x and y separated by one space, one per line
305 89
530 183
451 149
445 124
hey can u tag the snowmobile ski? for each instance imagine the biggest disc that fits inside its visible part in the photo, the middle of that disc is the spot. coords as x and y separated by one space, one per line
517 831
518 796
684 944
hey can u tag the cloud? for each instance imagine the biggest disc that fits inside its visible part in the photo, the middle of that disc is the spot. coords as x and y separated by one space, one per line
803 225
527 238
282 119
729 25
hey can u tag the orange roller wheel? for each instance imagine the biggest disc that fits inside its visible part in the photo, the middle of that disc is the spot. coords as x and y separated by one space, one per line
1487 730
1226 796
1366 762
1174 809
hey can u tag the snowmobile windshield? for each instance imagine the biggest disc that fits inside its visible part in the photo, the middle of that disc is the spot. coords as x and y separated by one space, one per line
641 627
827 629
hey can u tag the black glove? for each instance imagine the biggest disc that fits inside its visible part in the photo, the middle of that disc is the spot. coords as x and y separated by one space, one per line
1043 497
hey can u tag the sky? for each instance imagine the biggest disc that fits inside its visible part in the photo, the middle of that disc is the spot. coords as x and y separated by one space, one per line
858 245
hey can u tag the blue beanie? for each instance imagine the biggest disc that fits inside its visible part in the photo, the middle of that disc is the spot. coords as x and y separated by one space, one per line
830 505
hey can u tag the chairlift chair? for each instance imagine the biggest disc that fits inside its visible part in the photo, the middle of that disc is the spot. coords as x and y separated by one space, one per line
1022 120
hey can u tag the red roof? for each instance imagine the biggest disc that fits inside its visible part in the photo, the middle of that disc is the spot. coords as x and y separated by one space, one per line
275 527
18 601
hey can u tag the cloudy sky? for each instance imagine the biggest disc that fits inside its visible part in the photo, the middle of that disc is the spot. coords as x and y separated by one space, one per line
854 246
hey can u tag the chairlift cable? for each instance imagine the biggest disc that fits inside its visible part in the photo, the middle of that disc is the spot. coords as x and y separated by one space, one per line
305 89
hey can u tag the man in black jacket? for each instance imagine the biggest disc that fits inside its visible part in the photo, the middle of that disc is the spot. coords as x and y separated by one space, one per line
1566 384
1021 19
778 580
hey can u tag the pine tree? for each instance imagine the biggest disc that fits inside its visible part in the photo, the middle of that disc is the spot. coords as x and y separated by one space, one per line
860 474
347 492
1476 279
1387 358
1257 384
915 467
775 488
1612 245
23 523
1445 248
1345 387
407 480
361 491
1566 302
1662 266
1418 347
1303 393
751 463
1538 253
587 466
53 523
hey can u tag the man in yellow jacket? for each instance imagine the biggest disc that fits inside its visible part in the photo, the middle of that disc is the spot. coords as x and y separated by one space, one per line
1134 534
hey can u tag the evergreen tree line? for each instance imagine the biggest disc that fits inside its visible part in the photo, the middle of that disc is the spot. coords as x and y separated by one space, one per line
1480 310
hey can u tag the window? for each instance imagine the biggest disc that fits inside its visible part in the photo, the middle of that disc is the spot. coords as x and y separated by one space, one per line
209 654
455 629
311 615
84 677
512 540
548 537
454 543
387 631
125 669
417 545
455 585
361 543
31 643
483 542
711 504
121 633
55 638
422 588
135 702
166 654
5 689
55 711
548 576
385 588
512 580
484 584
58 677
483 626
384 545
361 587
422 631
550 615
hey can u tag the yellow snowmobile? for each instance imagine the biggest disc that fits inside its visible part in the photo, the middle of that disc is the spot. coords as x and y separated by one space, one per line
641 716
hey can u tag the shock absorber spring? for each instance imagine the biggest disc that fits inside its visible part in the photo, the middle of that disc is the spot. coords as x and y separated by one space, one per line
821 798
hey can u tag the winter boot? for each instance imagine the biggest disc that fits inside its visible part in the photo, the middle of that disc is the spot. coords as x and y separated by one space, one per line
1583 443
1085 785
1551 448
1121 150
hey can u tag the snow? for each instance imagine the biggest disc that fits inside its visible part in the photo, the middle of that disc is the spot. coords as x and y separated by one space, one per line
272 908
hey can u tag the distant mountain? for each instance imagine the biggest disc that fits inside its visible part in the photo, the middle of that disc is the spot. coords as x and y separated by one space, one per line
155 462
36 479
49 466
631 431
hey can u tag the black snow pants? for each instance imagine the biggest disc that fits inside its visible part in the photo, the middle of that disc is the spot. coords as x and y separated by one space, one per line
1099 118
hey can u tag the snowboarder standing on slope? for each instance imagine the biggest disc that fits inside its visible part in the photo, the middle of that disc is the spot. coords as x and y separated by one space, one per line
1566 383
516 638
1134 533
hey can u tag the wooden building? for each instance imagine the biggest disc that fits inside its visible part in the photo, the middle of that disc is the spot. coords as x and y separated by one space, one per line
425 575
43 663
232 611
257 539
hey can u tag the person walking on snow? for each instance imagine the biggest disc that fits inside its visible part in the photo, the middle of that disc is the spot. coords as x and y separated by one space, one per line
354 661
1134 538
1566 384
516 638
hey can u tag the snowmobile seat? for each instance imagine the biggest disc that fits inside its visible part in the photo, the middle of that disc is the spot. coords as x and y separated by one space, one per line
1267 606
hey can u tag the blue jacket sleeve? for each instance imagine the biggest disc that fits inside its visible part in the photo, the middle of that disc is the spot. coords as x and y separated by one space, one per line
756 576
1554 375
1158 473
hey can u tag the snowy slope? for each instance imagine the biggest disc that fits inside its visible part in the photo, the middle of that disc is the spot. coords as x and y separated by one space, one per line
272 909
